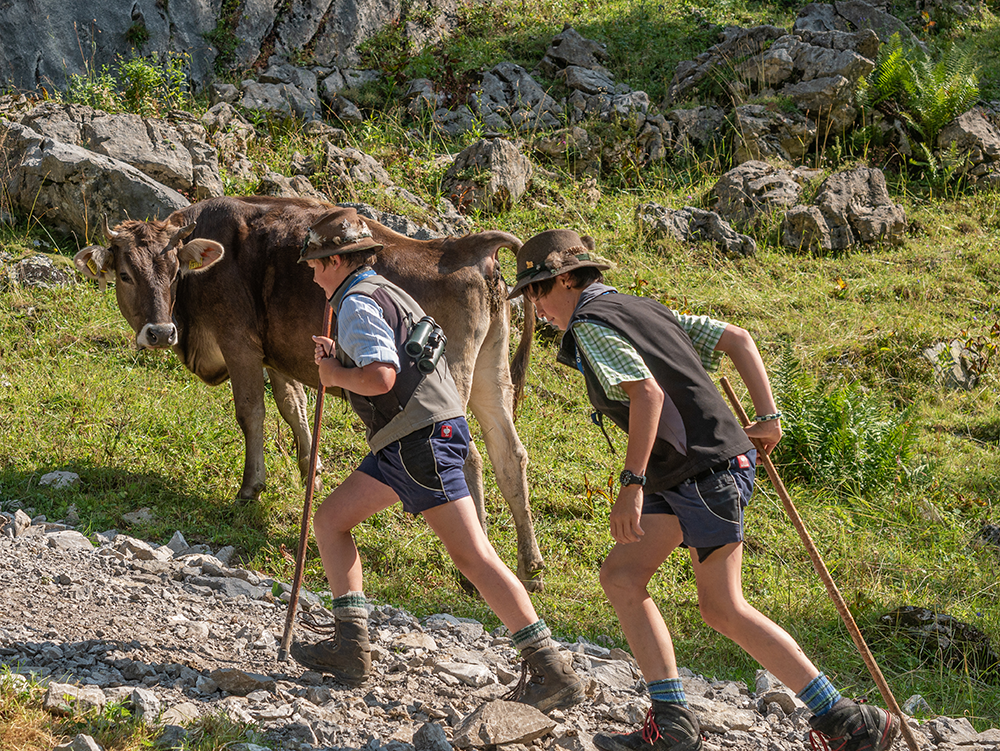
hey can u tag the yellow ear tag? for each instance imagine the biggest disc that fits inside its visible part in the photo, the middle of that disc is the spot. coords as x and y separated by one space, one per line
194 265
92 266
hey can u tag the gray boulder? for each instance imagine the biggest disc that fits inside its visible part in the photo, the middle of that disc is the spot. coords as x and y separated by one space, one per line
691 224
510 99
176 154
278 98
37 271
490 175
851 208
70 187
762 133
977 143
752 188
569 48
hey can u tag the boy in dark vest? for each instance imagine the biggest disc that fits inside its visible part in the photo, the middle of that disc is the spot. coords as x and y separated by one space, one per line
687 476
419 439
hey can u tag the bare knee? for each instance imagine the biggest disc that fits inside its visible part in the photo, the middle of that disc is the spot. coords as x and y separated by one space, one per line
621 582
726 617
328 521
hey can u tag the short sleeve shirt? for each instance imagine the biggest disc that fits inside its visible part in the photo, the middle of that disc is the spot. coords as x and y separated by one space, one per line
615 361
363 334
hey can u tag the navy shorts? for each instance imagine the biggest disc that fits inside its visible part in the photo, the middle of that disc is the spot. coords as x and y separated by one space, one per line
709 506
425 468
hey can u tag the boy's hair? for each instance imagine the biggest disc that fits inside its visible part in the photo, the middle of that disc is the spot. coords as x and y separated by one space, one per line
580 277
353 260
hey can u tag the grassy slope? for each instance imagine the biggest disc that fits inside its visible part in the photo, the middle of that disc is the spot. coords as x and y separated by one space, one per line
143 432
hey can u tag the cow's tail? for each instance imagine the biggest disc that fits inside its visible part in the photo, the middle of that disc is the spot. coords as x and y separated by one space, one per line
522 356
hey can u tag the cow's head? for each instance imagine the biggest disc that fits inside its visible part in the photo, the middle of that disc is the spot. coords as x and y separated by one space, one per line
146 259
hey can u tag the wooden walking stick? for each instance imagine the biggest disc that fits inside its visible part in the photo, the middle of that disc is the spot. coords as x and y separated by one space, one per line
824 574
300 556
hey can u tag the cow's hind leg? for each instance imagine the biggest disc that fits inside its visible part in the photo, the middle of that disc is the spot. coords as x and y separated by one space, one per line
290 396
492 401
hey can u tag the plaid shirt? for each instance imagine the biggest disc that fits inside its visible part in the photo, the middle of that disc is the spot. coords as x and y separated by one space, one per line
615 360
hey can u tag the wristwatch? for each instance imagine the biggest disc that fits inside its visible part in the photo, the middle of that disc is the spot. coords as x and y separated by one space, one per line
628 478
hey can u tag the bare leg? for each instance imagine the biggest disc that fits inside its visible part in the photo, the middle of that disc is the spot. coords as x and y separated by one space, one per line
723 607
624 576
357 498
457 525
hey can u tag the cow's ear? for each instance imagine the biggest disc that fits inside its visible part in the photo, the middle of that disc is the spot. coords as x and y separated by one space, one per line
197 255
588 242
96 262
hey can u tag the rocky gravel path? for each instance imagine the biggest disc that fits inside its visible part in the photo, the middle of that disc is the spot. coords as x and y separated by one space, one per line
176 633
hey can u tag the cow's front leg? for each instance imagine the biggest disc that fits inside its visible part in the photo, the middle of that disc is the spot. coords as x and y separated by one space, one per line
290 396
248 399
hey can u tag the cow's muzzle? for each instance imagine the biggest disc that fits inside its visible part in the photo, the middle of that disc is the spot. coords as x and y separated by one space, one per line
157 336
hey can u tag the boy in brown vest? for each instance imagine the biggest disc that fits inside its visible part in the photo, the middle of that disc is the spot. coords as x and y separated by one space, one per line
419 439
687 476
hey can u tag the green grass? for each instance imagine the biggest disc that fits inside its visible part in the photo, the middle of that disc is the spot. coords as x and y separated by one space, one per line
142 431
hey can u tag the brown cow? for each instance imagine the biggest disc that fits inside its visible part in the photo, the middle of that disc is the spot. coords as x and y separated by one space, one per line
219 282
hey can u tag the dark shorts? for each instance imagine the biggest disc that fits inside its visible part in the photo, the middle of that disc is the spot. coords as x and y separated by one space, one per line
709 506
425 468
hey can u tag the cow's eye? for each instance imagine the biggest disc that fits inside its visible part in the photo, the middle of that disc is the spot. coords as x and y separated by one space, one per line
123 275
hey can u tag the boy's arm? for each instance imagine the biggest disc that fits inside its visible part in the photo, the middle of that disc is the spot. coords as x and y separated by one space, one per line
373 379
739 345
645 403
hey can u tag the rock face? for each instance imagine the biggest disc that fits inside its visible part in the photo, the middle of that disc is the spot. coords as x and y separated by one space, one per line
173 641
59 39
977 141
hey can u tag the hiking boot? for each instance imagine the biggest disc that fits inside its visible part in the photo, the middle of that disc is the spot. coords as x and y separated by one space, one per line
668 727
346 654
850 726
547 681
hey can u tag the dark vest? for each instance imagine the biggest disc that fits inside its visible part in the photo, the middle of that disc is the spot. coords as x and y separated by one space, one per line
710 430
415 400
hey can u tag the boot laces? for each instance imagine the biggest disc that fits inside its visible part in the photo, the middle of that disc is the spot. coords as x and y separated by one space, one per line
522 684
327 629
650 730
820 742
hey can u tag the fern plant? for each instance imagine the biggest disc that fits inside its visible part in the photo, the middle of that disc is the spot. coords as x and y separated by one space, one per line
839 437
925 93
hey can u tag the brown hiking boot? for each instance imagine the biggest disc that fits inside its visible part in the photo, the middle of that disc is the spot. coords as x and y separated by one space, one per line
548 681
668 727
851 726
346 654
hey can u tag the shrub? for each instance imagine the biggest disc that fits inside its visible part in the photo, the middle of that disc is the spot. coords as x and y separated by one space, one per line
840 437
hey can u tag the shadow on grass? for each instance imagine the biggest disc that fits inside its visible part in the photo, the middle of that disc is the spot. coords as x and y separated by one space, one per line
104 495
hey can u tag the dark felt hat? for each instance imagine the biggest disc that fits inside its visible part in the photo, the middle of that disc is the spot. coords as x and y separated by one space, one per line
552 253
340 231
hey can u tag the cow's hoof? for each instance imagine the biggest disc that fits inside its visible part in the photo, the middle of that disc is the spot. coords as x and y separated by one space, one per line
533 580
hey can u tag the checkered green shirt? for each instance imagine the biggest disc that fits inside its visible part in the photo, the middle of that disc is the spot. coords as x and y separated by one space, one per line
615 360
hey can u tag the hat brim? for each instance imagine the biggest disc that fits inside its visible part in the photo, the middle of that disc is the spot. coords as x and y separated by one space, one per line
316 251
518 289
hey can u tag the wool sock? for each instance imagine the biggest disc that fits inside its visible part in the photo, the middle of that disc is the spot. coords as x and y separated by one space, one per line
533 637
351 605
819 695
668 690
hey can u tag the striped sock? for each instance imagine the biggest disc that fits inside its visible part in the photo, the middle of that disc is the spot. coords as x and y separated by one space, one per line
667 690
819 695
351 605
534 636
